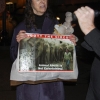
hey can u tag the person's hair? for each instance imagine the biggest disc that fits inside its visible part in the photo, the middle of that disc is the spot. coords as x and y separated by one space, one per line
30 16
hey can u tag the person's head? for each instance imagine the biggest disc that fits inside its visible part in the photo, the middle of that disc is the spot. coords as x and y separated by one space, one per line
39 6
67 50
35 7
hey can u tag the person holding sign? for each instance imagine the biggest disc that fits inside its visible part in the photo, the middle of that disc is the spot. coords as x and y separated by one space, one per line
38 19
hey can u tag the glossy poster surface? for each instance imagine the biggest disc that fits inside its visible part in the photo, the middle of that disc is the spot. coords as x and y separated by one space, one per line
46 52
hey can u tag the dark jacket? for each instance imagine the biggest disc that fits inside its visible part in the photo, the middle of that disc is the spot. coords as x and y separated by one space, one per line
92 43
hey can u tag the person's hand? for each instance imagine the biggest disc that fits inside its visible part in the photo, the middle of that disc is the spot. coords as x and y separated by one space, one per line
21 35
85 16
73 39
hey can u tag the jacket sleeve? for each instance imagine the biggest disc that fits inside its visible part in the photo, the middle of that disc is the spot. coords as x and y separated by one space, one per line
92 41
86 46
14 46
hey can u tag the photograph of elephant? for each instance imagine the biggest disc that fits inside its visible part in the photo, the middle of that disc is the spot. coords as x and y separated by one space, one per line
45 54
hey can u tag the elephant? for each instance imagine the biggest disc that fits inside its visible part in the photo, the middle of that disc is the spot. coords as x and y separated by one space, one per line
42 50
46 52
38 46
52 52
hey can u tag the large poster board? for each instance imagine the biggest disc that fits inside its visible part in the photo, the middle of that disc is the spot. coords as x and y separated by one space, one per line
46 52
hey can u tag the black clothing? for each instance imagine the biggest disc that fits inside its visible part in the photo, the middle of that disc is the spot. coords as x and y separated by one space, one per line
92 43
39 21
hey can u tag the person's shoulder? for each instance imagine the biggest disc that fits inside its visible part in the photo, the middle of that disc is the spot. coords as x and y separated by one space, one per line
52 18
55 20
20 26
64 52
